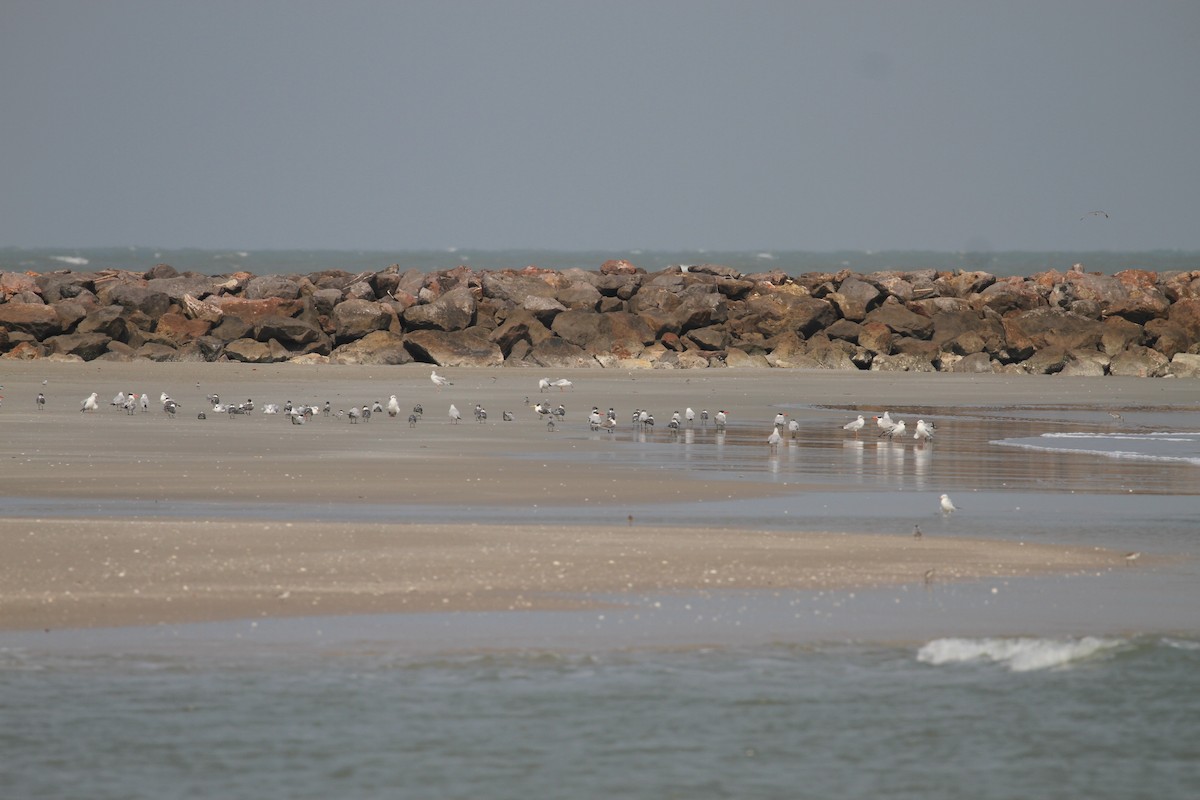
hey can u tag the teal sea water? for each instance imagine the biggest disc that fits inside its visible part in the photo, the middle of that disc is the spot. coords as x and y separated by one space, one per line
217 262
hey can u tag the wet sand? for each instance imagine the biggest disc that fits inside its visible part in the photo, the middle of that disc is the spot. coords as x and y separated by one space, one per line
76 568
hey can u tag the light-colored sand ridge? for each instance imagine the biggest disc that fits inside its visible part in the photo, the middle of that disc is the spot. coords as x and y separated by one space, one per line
76 573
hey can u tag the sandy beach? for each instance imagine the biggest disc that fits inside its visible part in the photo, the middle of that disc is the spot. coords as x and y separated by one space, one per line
98 527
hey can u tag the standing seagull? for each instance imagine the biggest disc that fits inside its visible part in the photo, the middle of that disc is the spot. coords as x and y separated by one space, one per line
544 385
896 430
924 431
393 408
90 403
438 380
689 415
775 438
855 426
455 416
948 506
793 427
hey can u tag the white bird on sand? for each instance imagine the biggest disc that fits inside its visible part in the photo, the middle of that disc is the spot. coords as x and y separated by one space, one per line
775 438
145 401
780 420
884 422
119 400
720 420
438 380
854 426
562 383
455 415
793 427
689 415
896 430
924 431
948 506
90 403
352 414
544 385
393 406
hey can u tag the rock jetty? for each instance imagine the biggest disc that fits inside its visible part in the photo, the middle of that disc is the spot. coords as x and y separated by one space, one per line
1074 323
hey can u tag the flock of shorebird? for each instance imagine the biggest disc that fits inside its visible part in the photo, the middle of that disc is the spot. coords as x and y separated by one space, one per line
553 415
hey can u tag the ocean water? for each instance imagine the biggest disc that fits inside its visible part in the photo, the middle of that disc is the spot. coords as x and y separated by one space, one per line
264 262
1075 686
1095 717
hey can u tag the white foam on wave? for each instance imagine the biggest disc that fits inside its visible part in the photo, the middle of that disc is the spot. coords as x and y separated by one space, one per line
1018 655
1189 441
75 261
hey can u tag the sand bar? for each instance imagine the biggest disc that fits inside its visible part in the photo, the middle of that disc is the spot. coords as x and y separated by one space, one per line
71 568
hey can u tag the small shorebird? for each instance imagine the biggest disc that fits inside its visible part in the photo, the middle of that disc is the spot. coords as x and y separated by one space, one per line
41 401
856 425
948 506
929 573
917 532
1132 557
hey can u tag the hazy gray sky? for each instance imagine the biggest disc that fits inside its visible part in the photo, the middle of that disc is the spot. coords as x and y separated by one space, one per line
593 125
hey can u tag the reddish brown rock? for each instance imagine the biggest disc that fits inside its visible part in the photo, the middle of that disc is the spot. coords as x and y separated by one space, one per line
180 330
36 319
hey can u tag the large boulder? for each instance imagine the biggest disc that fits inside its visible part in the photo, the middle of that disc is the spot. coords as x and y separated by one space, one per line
1141 362
137 297
854 298
36 319
87 346
251 311
519 326
180 330
271 286
555 353
514 288
453 349
901 321
377 347
1185 365
453 310
354 319
16 283
775 312
623 334
1047 327
255 352
293 333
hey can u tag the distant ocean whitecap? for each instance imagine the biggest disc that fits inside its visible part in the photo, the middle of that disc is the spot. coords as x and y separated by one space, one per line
1178 446
1018 655
75 261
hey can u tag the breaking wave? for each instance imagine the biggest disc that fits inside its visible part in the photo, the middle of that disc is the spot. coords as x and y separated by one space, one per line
1020 654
